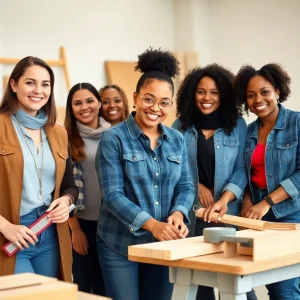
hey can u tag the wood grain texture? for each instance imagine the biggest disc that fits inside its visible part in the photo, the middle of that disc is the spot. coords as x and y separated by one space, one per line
176 249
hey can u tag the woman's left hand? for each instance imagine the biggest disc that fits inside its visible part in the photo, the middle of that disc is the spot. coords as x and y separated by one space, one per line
257 211
176 219
59 210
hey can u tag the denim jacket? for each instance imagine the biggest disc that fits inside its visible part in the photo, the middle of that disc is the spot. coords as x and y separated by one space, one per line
138 183
230 173
282 159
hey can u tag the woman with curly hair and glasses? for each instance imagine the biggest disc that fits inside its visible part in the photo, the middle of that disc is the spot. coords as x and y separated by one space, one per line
146 188
215 133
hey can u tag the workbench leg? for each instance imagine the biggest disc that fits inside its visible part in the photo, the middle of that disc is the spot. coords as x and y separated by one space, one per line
233 287
227 296
183 287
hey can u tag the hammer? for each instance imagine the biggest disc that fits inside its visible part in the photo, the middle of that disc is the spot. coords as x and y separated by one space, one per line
217 235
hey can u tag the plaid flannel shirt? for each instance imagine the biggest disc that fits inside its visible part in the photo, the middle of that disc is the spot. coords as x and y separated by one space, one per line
138 183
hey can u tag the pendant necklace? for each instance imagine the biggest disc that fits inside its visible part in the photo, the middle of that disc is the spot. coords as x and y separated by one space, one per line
39 174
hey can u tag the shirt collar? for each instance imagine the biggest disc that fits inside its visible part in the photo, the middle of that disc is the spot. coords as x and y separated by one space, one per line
135 131
280 122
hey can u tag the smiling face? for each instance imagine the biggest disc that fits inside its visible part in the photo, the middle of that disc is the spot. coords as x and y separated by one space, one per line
33 89
262 97
113 108
150 116
85 107
207 95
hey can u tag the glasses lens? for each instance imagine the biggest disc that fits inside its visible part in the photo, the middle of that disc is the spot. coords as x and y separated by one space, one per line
164 104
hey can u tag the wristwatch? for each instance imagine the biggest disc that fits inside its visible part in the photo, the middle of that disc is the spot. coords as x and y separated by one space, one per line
269 201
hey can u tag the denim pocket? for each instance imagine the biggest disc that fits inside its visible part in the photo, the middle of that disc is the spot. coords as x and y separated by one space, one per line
135 165
175 162
287 151
231 148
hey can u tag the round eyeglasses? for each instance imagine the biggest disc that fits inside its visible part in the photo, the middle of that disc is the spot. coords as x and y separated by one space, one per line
163 104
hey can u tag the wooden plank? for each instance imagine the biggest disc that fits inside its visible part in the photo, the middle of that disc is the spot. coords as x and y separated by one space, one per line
276 244
230 249
56 290
249 223
21 280
176 249
238 265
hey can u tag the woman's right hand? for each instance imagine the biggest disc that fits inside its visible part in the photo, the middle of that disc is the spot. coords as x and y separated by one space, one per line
205 196
79 241
165 232
20 235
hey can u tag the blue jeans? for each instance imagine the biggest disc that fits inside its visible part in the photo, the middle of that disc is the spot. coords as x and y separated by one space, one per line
86 268
127 280
44 257
287 289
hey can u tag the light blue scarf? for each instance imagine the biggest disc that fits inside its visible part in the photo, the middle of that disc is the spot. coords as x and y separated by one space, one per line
30 122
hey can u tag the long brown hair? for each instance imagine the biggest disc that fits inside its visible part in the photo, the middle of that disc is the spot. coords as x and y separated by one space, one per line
76 142
9 104
123 95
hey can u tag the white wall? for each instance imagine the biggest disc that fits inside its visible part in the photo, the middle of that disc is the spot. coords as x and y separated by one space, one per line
230 32
92 31
258 32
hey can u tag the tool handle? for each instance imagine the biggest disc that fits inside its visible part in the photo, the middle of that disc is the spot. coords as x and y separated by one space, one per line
234 220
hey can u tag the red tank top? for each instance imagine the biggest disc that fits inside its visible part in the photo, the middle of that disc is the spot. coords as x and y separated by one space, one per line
258 171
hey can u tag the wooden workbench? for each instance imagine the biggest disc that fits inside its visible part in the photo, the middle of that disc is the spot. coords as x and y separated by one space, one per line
234 277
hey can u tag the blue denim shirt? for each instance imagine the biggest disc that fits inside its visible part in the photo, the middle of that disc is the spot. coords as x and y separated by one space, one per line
138 183
282 159
230 172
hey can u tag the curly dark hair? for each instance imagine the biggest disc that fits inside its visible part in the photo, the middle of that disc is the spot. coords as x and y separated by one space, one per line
156 64
273 73
186 103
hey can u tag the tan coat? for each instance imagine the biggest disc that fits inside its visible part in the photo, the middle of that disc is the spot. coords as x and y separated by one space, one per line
11 181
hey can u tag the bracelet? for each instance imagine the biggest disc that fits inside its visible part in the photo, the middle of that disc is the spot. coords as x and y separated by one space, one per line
70 200
269 200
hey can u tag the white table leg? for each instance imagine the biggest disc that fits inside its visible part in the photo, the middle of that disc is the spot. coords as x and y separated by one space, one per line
184 289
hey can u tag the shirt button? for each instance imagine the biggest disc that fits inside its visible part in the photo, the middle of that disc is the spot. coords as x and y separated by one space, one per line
155 158
156 202
131 229
268 149
156 174
218 147
287 145
155 186
2 151
133 158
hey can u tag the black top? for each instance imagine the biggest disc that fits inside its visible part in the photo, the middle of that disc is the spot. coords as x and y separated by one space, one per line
68 186
206 159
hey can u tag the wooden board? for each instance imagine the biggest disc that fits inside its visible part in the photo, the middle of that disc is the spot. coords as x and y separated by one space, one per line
238 265
282 243
176 249
21 280
249 223
56 290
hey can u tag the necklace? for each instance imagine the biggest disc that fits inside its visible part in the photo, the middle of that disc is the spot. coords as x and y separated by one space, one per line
39 174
